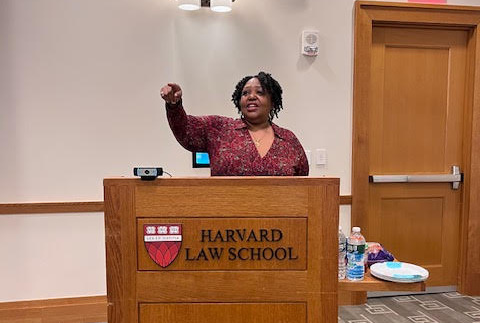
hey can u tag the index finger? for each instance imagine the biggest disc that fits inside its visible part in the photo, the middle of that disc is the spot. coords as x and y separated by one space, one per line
175 87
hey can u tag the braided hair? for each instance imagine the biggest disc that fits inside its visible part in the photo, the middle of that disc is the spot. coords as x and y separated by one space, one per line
269 84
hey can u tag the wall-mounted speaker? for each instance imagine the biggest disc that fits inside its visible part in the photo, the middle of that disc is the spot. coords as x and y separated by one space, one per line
310 42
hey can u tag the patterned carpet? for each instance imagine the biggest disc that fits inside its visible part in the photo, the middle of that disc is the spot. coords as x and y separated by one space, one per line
429 308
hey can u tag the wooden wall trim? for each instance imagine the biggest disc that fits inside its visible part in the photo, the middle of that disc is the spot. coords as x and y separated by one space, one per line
470 259
51 207
79 207
79 309
345 200
410 5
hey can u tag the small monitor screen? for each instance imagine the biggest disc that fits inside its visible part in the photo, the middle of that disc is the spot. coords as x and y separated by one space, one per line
200 159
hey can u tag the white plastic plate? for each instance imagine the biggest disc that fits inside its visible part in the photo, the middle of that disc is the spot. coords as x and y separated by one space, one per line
399 272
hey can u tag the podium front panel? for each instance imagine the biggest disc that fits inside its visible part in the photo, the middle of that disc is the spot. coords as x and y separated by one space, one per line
231 313
224 244
242 249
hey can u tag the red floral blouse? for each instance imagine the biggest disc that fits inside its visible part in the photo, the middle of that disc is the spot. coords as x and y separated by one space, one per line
231 149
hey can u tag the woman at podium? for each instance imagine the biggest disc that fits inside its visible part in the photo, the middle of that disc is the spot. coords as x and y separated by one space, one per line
249 146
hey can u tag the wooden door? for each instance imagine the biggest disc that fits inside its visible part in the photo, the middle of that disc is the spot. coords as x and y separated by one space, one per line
416 110
415 126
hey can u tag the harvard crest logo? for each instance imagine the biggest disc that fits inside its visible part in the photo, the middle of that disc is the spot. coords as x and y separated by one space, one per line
163 242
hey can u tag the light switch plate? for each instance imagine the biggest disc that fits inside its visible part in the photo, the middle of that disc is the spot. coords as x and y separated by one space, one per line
321 157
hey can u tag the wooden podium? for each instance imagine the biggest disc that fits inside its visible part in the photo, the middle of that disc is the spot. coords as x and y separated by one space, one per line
222 249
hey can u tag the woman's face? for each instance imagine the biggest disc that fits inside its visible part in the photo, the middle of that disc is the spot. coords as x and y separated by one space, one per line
255 103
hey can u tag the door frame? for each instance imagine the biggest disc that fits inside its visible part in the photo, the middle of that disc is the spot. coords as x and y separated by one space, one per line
371 13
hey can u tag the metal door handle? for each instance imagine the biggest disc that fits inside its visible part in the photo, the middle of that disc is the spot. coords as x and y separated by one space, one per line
455 178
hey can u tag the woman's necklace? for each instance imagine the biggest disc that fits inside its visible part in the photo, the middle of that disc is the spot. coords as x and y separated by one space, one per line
256 141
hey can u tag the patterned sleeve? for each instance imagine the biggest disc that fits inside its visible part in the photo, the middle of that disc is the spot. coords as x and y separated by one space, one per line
190 131
302 167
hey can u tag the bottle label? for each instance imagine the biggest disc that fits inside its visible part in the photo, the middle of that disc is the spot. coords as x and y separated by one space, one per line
355 261
355 266
356 248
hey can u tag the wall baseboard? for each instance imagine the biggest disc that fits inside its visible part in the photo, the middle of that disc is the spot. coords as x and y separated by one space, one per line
90 309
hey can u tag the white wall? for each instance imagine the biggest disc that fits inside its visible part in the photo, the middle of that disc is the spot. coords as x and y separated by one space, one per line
51 256
79 101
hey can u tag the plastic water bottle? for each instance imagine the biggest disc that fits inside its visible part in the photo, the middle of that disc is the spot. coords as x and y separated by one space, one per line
342 253
355 255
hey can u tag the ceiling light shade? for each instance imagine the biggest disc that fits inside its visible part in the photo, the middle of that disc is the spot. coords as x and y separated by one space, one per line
189 4
221 5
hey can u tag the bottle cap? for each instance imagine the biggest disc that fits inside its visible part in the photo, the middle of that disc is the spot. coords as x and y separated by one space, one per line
356 229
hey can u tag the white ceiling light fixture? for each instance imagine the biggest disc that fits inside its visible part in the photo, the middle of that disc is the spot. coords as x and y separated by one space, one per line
221 5
189 4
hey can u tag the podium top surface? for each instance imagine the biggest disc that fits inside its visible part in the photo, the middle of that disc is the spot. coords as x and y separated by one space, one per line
224 180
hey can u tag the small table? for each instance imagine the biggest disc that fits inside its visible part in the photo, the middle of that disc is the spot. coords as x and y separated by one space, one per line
355 292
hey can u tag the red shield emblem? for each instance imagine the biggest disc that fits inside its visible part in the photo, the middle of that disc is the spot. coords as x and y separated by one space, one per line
163 242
